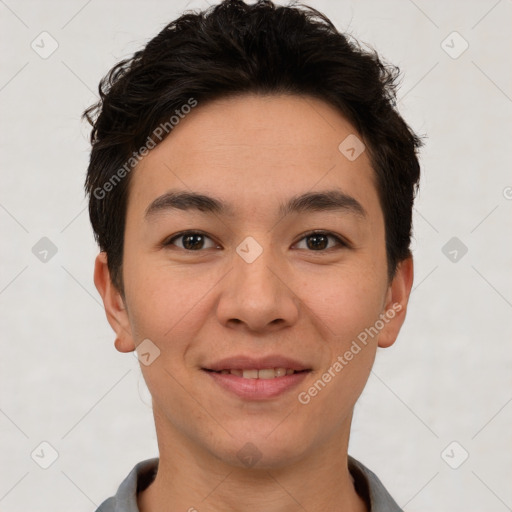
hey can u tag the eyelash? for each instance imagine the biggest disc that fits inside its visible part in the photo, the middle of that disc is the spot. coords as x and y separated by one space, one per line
341 242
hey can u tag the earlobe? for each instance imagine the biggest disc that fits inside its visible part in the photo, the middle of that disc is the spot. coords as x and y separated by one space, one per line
397 300
113 303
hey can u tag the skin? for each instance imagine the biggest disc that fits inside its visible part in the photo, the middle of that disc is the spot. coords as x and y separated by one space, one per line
199 306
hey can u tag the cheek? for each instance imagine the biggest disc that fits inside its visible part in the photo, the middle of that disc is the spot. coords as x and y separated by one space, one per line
169 306
346 301
346 311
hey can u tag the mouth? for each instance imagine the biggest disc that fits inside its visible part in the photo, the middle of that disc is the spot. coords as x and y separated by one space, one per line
257 378
251 384
265 373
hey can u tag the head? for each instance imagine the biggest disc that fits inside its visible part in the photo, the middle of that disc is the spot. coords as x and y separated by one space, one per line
251 126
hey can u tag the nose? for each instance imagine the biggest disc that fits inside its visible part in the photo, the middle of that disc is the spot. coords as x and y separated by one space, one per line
258 296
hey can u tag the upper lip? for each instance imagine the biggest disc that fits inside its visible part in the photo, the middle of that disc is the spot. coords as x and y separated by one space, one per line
242 362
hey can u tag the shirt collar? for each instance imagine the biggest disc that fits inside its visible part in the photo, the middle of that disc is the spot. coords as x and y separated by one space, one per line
367 485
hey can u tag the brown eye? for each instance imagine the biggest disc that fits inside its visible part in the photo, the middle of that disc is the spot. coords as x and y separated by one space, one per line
319 240
191 241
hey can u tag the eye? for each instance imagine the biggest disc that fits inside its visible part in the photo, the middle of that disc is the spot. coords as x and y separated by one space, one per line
319 240
191 241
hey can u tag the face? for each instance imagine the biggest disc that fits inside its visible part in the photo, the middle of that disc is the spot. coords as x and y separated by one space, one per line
241 275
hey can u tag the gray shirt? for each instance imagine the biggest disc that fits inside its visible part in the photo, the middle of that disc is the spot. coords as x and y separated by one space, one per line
367 485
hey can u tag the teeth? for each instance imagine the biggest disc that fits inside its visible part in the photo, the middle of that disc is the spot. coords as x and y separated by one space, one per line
267 373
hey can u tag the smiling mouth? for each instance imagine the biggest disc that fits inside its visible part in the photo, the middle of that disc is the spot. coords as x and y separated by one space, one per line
267 373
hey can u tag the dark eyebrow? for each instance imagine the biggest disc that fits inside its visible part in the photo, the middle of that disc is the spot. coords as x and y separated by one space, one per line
329 200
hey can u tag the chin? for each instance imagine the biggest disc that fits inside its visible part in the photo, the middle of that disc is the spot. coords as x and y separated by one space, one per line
260 452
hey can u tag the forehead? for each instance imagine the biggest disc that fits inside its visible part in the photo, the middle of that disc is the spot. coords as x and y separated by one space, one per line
250 149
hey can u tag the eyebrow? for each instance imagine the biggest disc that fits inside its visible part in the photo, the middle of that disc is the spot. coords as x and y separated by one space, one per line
323 201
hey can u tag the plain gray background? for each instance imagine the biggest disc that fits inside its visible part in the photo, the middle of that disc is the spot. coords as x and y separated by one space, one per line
441 393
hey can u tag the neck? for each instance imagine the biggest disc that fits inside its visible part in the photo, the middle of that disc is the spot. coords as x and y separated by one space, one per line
192 479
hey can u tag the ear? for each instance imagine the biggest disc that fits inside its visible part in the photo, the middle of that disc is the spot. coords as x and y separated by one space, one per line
114 305
397 298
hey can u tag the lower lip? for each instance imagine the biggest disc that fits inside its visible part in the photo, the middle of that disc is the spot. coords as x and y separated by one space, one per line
257 389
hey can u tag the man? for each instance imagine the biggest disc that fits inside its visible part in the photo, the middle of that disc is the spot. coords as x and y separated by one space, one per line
251 189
